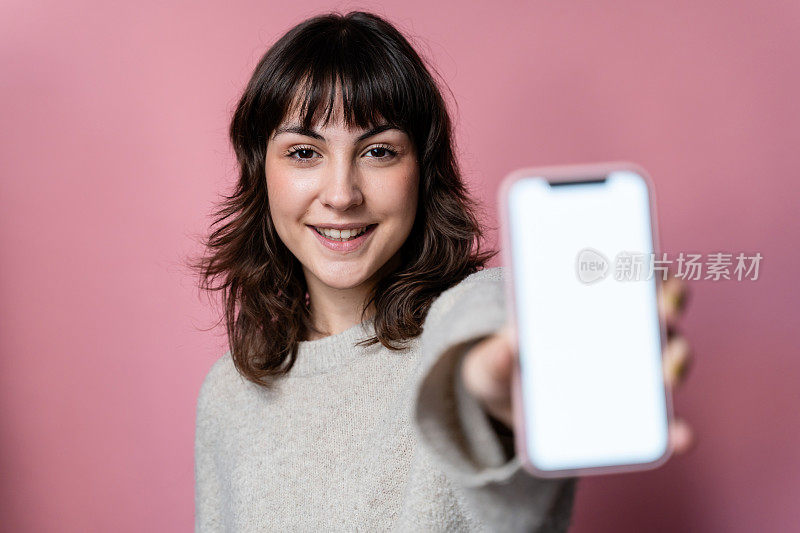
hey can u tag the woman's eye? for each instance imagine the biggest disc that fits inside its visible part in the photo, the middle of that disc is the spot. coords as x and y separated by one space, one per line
381 152
303 154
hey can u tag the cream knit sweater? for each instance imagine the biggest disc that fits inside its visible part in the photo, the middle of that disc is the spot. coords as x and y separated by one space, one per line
369 439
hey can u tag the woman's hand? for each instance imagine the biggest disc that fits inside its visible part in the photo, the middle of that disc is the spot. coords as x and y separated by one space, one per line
487 368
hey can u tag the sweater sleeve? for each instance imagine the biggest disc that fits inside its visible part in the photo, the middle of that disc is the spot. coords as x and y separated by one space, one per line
463 440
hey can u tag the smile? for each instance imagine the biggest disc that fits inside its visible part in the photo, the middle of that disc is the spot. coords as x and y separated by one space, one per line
344 240
343 235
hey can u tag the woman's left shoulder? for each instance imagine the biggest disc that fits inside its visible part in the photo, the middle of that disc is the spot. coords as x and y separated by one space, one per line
482 288
485 279
485 275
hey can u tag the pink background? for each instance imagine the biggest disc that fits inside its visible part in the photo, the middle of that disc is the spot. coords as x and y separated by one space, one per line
113 148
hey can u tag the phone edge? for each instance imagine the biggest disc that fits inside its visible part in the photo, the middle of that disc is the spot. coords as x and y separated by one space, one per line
562 172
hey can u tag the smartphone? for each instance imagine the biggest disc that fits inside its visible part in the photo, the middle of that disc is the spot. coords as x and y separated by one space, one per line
579 243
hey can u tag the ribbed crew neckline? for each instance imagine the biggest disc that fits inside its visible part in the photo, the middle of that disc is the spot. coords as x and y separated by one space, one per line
323 355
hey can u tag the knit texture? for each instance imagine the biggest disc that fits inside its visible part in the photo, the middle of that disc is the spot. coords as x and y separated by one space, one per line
369 439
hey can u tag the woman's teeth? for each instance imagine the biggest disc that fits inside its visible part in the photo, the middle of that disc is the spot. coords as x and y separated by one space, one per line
341 235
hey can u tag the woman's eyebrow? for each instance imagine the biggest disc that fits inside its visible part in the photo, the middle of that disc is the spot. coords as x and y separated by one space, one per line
296 128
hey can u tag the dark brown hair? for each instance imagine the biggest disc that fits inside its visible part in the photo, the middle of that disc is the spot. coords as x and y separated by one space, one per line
381 78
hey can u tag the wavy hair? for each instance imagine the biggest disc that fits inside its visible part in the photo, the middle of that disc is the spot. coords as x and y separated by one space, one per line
381 78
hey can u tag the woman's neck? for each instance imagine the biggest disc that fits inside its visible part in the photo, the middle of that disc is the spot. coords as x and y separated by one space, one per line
335 310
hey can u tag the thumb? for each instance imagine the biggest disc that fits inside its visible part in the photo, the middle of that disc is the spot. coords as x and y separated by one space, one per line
488 367
509 333
501 358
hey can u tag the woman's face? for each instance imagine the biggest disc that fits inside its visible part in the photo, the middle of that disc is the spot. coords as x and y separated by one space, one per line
331 176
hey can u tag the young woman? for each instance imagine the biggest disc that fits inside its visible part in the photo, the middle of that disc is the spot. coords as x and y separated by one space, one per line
367 385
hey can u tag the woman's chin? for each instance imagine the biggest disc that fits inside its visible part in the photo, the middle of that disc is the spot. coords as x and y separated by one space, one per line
339 279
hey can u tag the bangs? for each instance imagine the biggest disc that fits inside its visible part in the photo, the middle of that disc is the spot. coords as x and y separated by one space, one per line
374 82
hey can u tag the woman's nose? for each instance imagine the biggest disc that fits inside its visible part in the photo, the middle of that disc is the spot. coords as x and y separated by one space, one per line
341 186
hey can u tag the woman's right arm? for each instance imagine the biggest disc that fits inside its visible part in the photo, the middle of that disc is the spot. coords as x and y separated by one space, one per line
465 443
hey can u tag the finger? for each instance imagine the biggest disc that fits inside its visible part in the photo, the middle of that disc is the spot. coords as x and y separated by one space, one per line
674 296
676 360
681 436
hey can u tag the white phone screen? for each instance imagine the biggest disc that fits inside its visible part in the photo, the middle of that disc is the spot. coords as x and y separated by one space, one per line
589 332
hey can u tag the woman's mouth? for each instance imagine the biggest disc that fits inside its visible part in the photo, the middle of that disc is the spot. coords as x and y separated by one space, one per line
341 235
343 240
